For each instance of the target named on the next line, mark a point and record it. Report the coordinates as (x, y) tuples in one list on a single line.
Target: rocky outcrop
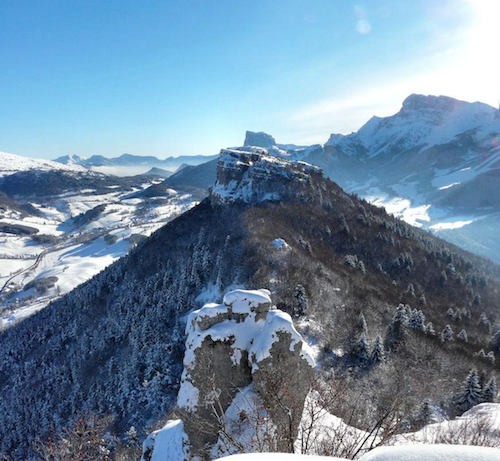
[(252, 175), (241, 347), (259, 139)]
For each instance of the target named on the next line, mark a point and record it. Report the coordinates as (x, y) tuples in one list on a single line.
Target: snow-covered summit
[(10, 164), (423, 121), (71, 159), (252, 175)]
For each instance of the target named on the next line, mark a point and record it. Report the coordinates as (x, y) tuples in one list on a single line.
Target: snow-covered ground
[(80, 252), (445, 441)]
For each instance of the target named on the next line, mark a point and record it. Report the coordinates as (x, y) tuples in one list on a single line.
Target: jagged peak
[(250, 174)]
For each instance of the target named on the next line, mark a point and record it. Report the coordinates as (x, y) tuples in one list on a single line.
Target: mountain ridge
[(115, 343)]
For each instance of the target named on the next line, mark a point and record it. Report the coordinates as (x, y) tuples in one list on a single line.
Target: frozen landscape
[(249, 231), (62, 247)]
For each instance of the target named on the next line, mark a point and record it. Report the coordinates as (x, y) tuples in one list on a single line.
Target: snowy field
[(78, 252)]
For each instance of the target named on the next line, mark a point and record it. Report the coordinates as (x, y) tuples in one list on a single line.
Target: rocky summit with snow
[(242, 356), (252, 175)]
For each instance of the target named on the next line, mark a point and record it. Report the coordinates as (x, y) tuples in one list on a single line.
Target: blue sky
[(171, 77)]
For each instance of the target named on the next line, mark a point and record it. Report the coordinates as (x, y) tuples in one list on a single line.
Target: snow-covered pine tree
[(469, 394), (422, 415), (361, 352), (362, 327), (301, 300), (396, 330), (378, 354), (429, 329), (447, 334), (484, 322), (495, 340), (489, 393), (417, 320), (462, 336)]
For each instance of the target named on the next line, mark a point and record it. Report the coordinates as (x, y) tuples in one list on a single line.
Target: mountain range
[(114, 345), (127, 164), (435, 164)]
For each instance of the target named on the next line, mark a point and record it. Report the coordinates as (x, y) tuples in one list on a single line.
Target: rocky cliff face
[(259, 139), (252, 175), (243, 357)]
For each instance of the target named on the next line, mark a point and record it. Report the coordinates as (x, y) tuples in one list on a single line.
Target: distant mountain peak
[(252, 175), (71, 159), (259, 139)]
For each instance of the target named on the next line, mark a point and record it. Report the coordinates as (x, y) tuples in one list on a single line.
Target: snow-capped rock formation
[(252, 175), (259, 139), (238, 352)]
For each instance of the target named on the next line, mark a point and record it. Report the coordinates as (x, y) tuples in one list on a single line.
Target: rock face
[(259, 139), (242, 346), (252, 175)]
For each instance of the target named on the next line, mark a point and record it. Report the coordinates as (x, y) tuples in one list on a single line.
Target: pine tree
[(361, 267), (457, 316), (411, 290), (361, 351), (490, 392), (423, 300), (422, 416), (469, 394), (362, 327), (482, 380), (462, 336), (396, 330), (429, 329), (301, 300), (378, 354), (484, 322), (447, 334), (495, 341), (417, 320)]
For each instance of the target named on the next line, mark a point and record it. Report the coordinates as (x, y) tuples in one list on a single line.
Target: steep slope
[(115, 344)]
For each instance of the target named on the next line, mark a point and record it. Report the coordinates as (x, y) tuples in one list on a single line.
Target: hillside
[(115, 344)]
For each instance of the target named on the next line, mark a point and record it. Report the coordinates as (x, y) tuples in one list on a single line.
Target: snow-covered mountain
[(128, 164), (324, 255), (435, 164), (10, 163), (422, 122)]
